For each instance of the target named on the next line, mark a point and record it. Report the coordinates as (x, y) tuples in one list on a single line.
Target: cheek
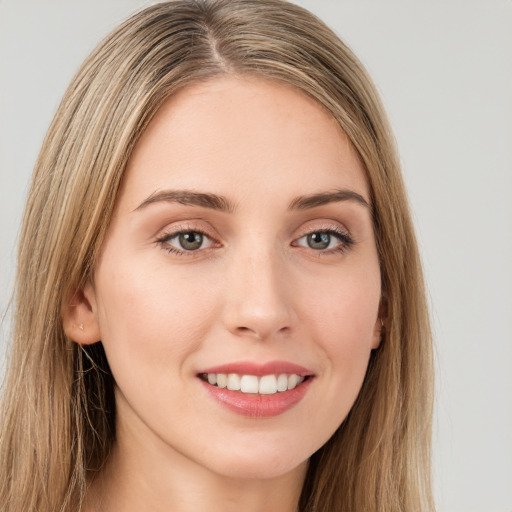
[(343, 316), (151, 316)]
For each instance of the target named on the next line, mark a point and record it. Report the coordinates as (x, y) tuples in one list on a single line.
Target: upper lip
[(259, 369)]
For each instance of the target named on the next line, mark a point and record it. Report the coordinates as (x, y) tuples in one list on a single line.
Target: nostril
[(247, 331), (260, 333)]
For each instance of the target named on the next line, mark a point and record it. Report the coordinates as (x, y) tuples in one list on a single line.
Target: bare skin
[(242, 233)]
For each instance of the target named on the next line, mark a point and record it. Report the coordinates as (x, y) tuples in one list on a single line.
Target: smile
[(257, 390), (252, 384)]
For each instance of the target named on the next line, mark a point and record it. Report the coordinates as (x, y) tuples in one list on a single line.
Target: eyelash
[(164, 239), (346, 241)]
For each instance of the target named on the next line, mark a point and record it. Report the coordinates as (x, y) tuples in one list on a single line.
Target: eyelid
[(323, 225), (175, 229), (170, 232), (346, 241)]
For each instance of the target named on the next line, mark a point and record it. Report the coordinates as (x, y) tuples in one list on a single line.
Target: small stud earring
[(81, 327)]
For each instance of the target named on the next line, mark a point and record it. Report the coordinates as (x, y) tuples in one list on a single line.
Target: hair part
[(58, 409)]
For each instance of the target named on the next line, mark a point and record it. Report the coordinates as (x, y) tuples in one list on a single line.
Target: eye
[(325, 240), (185, 241), (318, 240)]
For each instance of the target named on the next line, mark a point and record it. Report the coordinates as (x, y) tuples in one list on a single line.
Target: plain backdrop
[(444, 70)]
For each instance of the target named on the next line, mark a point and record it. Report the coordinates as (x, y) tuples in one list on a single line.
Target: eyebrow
[(314, 200), (190, 198), (221, 203)]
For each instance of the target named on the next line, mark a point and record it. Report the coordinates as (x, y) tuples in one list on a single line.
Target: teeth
[(249, 384), (292, 381), (264, 385), (234, 382), (222, 380), (282, 382), (268, 385)]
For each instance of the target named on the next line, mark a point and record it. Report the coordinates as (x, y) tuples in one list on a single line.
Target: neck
[(145, 475)]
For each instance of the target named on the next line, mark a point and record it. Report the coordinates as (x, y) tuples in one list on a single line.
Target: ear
[(378, 332), (80, 316), (380, 324)]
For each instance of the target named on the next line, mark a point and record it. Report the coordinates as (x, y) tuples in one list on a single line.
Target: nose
[(258, 297)]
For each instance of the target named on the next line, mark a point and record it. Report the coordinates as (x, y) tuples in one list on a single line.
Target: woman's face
[(241, 253)]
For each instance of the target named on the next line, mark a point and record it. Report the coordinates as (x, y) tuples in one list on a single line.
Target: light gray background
[(444, 69)]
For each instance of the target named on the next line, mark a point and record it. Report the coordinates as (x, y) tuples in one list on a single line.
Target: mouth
[(254, 384), (256, 390)]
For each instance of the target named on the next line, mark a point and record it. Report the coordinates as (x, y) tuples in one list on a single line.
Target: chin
[(259, 464)]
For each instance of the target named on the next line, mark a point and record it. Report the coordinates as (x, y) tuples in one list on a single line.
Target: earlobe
[(80, 318)]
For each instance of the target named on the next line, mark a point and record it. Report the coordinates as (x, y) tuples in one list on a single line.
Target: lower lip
[(255, 405)]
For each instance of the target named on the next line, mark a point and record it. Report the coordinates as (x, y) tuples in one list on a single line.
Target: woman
[(219, 297)]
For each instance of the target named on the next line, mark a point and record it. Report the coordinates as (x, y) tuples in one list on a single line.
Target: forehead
[(246, 134)]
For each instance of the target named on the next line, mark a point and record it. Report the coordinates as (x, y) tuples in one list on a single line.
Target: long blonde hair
[(58, 410)]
